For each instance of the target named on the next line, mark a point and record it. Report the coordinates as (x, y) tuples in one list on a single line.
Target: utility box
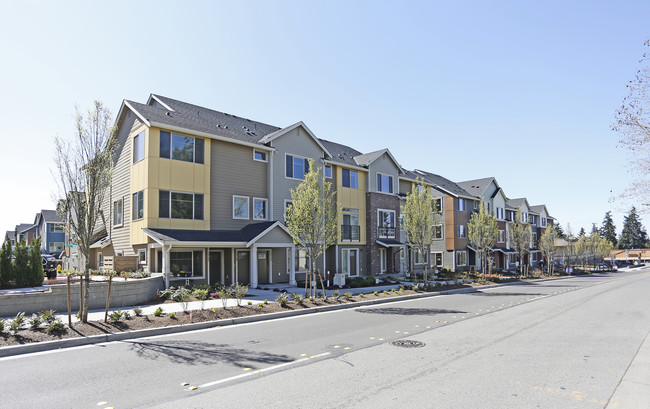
[(339, 279)]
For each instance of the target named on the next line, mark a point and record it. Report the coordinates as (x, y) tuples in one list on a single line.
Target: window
[(437, 232), (534, 242), (386, 223), (461, 231), (502, 236), (419, 257), (543, 221), (138, 205), (181, 147), (142, 256), (287, 205), (436, 259), (118, 212), (55, 247), (259, 209), (524, 217), (138, 147), (350, 230), (296, 167), (533, 219), (179, 205), (302, 261), (461, 204), (384, 183), (500, 213), (461, 258), (186, 263), (240, 207), (382, 260), (437, 204), (328, 171), (259, 156), (350, 178), (55, 227)]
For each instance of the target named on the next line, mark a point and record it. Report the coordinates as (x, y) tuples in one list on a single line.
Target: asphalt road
[(564, 343)]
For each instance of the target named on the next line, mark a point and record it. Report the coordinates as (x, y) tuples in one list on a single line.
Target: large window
[(55, 247), (180, 205), (437, 204), (181, 147), (328, 171), (384, 183), (138, 147), (260, 209), (350, 178), (462, 231), (137, 205), (499, 213), (240, 207), (118, 212), (350, 230), (55, 227), (461, 204), (296, 167), (502, 236), (436, 259), (186, 263), (419, 257), (437, 232), (386, 223), (461, 258)]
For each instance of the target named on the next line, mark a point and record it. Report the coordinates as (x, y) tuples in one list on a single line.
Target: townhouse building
[(50, 228)]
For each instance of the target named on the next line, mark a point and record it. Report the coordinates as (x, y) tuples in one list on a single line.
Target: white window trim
[(248, 207), (392, 182), (144, 147), (123, 198), (464, 236), (191, 250), (433, 259), (285, 165), (142, 251), (415, 253), (331, 170), (461, 200), (348, 249), (51, 250), (263, 153), (457, 254), (442, 232), (441, 204), (394, 222), (284, 209), (499, 237), (266, 208)]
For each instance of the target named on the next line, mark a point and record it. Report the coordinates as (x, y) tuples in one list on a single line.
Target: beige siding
[(234, 172)]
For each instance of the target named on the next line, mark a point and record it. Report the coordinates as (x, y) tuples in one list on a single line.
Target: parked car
[(49, 265)]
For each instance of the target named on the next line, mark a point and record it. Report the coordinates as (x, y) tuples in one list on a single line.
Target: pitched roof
[(197, 118), (49, 216), (341, 153), (367, 159), (516, 203), (244, 235), (443, 183), (538, 209), (23, 227), (476, 186), (10, 234)]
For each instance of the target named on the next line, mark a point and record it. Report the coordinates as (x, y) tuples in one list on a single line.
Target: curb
[(172, 329)]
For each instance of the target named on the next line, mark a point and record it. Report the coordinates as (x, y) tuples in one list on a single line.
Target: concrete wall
[(123, 294)]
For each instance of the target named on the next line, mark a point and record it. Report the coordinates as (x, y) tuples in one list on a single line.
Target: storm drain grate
[(408, 343)]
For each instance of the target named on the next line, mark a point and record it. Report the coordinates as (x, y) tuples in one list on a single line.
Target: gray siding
[(279, 262), (297, 142), (384, 164), (276, 235), (234, 172)]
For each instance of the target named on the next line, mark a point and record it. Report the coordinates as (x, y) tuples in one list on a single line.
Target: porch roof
[(390, 243)]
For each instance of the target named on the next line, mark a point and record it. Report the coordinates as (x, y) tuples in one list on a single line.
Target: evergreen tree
[(6, 269), (633, 235), (608, 231), (21, 263), (581, 232), (35, 274), (560, 231), (594, 229)]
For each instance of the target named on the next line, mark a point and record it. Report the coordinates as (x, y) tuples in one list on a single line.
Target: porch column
[(253, 266), (166, 249), (292, 266)]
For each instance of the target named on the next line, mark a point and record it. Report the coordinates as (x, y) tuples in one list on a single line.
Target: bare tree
[(419, 219), (84, 165), (547, 246)]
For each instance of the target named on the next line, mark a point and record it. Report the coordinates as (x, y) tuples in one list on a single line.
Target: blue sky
[(521, 91)]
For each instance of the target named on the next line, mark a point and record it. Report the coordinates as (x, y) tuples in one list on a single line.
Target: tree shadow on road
[(502, 294), (201, 353), (407, 311)]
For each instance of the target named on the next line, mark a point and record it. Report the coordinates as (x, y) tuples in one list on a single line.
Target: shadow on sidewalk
[(408, 311)]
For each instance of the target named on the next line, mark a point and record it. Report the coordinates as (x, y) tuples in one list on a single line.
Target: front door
[(263, 263), (349, 262), (216, 266), (243, 267)]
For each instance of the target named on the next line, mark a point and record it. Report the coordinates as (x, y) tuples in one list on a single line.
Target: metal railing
[(350, 232)]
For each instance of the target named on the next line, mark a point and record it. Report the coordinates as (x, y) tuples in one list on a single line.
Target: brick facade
[(374, 202)]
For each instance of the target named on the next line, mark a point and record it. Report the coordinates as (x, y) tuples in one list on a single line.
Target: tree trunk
[(108, 297), (69, 303)]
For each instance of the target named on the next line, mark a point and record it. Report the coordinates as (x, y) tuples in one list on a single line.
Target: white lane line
[(270, 368)]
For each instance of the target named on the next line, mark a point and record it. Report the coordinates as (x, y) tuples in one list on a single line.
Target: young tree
[(632, 122), (6, 268), (483, 232), (608, 230), (520, 237), (83, 173), (21, 260), (35, 274), (312, 218), (633, 235), (419, 218), (547, 246), (604, 248)]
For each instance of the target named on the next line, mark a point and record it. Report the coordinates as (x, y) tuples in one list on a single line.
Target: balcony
[(350, 232), (386, 232)]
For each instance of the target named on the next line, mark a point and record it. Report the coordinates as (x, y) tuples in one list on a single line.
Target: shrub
[(181, 294), (223, 294), (6, 268), (48, 316), (282, 299), (138, 274), (335, 294), (137, 311), (115, 315), (35, 273), (2, 325), (172, 315), (167, 293), (239, 291), (21, 257), (260, 304), (347, 295), (17, 322), (250, 303), (126, 315), (158, 312), (55, 327), (374, 293), (266, 301), (201, 293), (297, 298), (35, 321)]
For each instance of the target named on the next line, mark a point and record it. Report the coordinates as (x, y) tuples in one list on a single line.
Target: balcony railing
[(350, 232), (387, 232)]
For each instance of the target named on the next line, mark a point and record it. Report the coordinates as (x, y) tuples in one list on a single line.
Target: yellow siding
[(154, 173), (352, 199)]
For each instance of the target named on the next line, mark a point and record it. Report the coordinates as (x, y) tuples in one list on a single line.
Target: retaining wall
[(123, 294)]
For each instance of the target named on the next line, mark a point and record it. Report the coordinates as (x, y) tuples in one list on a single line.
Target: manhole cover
[(408, 343)]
